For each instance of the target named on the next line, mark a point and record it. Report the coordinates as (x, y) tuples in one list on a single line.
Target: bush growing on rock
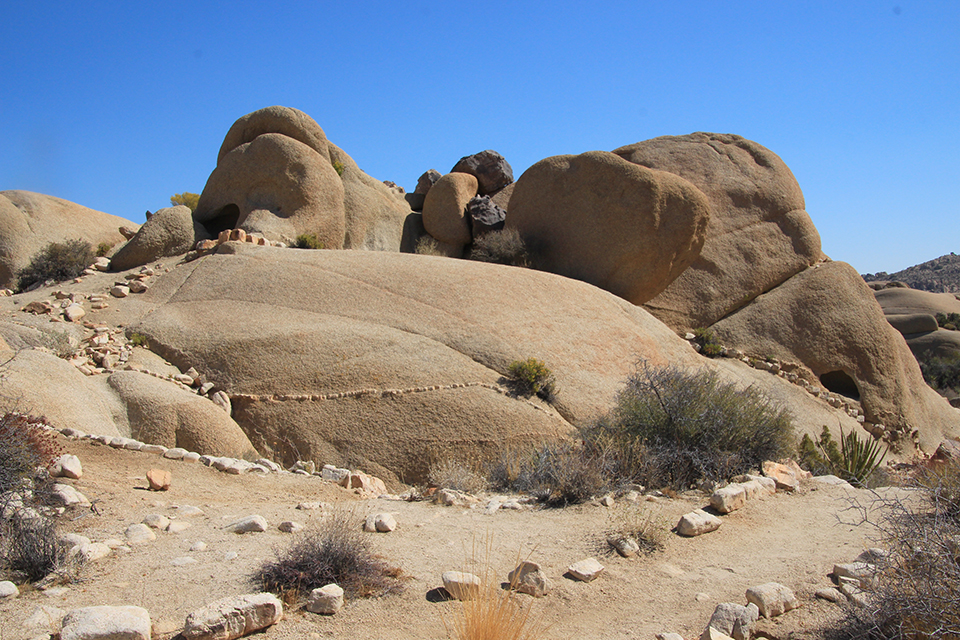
[(673, 427), (533, 377), (57, 261), (708, 343), (187, 199), (336, 552), (307, 241)]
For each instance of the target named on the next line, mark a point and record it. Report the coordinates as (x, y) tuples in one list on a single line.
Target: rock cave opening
[(225, 218), (840, 382)]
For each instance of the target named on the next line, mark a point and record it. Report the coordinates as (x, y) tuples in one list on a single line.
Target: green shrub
[(187, 199), (532, 377), (139, 340), (307, 241), (556, 473), (708, 343), (103, 249), (676, 428), (335, 552), (942, 373), (948, 321), (501, 247), (338, 167), (57, 261)]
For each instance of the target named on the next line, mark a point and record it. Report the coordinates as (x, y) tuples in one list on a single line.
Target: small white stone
[(697, 523), (326, 600), (120, 291), (139, 534), (250, 524), (156, 449), (67, 466), (176, 453), (385, 523), (529, 578), (187, 511), (94, 551), (8, 590), (289, 526), (198, 546), (729, 498), (586, 570), (91, 623), (183, 561), (461, 585), (156, 521), (177, 527), (772, 598)]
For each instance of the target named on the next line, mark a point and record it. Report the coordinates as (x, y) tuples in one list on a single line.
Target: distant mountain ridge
[(940, 275)]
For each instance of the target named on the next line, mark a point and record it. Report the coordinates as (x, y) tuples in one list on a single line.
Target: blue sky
[(117, 106)]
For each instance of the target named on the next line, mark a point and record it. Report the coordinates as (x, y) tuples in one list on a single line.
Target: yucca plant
[(859, 458)]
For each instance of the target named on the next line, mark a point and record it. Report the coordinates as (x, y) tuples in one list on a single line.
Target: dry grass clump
[(456, 475), (641, 523), (336, 552), (557, 473), (30, 547), (428, 246), (504, 246), (917, 594), (57, 261)]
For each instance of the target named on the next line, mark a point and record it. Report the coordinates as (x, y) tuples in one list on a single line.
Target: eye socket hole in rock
[(840, 382), (224, 219)]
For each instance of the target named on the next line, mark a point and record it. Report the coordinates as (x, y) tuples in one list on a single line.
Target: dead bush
[(557, 473), (336, 552), (917, 593), (504, 246), (456, 475), (31, 549)]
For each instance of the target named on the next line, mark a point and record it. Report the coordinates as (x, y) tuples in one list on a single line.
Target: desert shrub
[(428, 246), (25, 446), (57, 261), (501, 247), (139, 340), (557, 473), (31, 548), (672, 427), (942, 373), (336, 552), (187, 199), (453, 474), (948, 320), (307, 241), (917, 592), (338, 167), (103, 249), (533, 377), (708, 342)]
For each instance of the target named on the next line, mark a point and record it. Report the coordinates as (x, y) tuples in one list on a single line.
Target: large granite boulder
[(913, 313), (384, 359), (161, 413), (277, 175), (617, 225), (445, 209), (29, 221), (168, 232), (827, 318), (759, 233), (491, 170)]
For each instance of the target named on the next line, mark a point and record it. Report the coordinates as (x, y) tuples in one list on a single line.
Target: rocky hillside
[(940, 275)]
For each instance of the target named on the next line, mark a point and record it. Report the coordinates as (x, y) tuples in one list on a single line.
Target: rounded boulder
[(445, 208), (619, 226), (759, 233), (168, 232)]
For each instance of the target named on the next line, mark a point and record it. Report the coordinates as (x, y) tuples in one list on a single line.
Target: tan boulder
[(619, 226), (29, 221), (286, 121), (445, 209), (382, 340), (277, 187), (906, 309), (374, 213), (159, 412), (169, 232), (159, 480), (759, 233), (827, 319)]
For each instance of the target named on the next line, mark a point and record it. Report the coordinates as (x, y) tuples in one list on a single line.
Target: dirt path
[(791, 539)]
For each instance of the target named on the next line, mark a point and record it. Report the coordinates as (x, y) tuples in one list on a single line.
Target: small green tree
[(187, 199)]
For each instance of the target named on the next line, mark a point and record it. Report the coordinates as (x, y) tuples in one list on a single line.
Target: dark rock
[(491, 170), (427, 180), (484, 216)]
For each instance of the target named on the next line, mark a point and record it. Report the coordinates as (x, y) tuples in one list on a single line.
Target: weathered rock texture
[(759, 233), (913, 313), (278, 175), (826, 318), (598, 218), (396, 355), (168, 232), (491, 170), (29, 221), (445, 209)]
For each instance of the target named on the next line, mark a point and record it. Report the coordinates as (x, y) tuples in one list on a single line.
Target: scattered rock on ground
[(326, 600), (461, 585), (697, 523), (106, 623), (772, 599), (159, 479), (233, 617), (529, 578), (586, 570)]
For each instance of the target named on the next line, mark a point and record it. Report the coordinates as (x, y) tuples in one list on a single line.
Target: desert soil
[(793, 539)]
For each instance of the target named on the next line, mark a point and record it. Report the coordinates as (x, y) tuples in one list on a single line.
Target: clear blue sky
[(117, 106)]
